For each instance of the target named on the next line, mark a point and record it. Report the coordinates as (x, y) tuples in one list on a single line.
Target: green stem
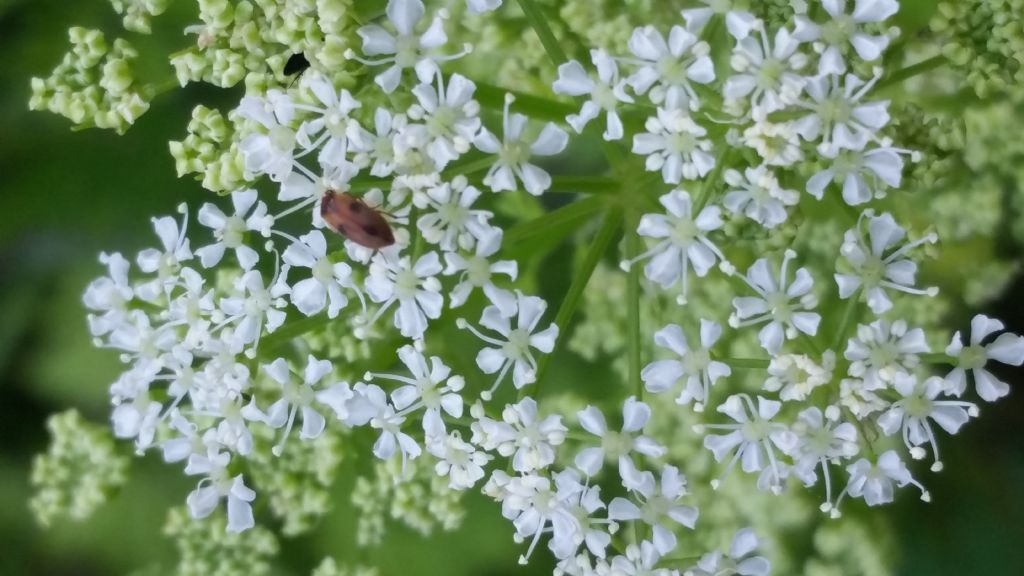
[(911, 71), (810, 345), (610, 225), (470, 167), (745, 363), (842, 334), (633, 248), (289, 331), (578, 210), (938, 358), (558, 57), (584, 185), (540, 26), (493, 97), (712, 179)]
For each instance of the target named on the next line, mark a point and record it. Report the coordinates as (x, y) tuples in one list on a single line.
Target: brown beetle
[(352, 218)]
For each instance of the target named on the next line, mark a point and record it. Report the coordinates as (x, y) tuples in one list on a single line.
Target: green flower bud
[(78, 472)]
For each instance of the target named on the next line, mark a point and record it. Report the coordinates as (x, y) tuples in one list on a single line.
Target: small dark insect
[(296, 65), (352, 218)]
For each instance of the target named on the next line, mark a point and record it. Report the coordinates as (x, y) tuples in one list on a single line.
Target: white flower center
[(755, 430), (770, 74), (838, 30), (685, 232), (233, 233), (442, 121), (282, 138), (406, 283), (515, 153), (604, 97), (518, 345), (655, 509), (682, 143), (779, 304), (973, 357), (917, 406), (616, 444), (405, 51), (478, 271), (872, 271), (323, 271), (429, 393), (256, 303), (696, 361)]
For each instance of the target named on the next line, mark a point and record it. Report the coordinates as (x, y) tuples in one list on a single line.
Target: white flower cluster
[(193, 345), (193, 323)]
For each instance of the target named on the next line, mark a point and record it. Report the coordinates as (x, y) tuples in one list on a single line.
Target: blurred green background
[(64, 197)]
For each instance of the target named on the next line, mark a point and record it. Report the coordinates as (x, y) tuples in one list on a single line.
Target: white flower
[(617, 446), (415, 288), (919, 404), (476, 271), (449, 117), (254, 310), (273, 152), (785, 306), (165, 261), (738, 23), (639, 561), (821, 440), (369, 405), (874, 482), (431, 388), (136, 415), (323, 289), (581, 501), (216, 485), (515, 153), (379, 147), (605, 93), (838, 116), (140, 341), (186, 443), (777, 143), (447, 217), (532, 505), (522, 435), (841, 31), (333, 127), (296, 398), (109, 294), (659, 506), (193, 308), (512, 351), (863, 175), (857, 397), (405, 49), (667, 68), (756, 193), (883, 349), (696, 365), (768, 74), (675, 144), (872, 270), (754, 438), (459, 460), (741, 559), (682, 242), (795, 376), (230, 231), (1007, 348)]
